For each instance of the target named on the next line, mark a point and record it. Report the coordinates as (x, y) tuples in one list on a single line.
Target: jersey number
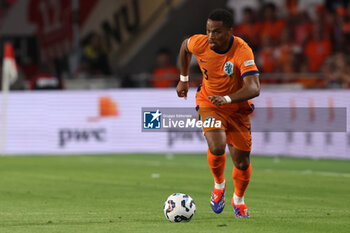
[(205, 72)]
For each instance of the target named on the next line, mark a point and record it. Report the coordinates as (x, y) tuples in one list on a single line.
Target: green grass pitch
[(125, 193)]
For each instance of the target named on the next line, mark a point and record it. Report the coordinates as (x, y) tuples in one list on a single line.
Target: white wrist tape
[(184, 78), (228, 99)]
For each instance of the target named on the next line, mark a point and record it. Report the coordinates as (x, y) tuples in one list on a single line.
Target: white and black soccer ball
[(179, 207)]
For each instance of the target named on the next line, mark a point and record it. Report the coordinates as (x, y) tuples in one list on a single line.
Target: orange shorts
[(234, 120)]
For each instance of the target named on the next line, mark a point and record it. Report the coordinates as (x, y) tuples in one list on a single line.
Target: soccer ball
[(179, 207)]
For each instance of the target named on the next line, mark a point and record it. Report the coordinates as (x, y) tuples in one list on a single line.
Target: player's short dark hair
[(222, 15)]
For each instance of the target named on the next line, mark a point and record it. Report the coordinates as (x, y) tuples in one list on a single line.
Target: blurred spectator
[(325, 19), (95, 57), (302, 28), (292, 7), (317, 48), (249, 29), (344, 28), (337, 71), (338, 28), (285, 53), (166, 73), (333, 5), (46, 79), (266, 58), (272, 26), (5, 5)]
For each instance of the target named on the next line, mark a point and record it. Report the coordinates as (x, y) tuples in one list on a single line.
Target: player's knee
[(242, 165), (217, 150)]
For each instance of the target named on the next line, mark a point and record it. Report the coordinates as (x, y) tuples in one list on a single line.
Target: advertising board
[(110, 121)]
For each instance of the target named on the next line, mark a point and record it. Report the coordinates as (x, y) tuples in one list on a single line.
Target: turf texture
[(126, 193)]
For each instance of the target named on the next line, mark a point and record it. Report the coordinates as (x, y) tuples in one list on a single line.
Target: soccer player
[(230, 79)]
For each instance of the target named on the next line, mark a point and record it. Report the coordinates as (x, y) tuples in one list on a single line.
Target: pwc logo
[(86, 135), (81, 136), (107, 108)]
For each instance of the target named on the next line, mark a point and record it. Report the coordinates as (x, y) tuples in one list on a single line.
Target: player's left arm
[(250, 89)]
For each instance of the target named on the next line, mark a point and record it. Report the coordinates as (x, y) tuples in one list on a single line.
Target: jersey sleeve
[(246, 63), (194, 44)]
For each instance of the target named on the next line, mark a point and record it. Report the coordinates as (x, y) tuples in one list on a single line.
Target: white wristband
[(184, 78), (228, 99)]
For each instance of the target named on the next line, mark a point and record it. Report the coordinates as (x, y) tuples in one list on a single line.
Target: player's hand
[(182, 89), (217, 100)]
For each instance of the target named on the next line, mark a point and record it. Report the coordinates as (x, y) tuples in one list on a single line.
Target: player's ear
[(230, 31)]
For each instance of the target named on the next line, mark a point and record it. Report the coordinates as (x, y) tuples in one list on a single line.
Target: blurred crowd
[(291, 48), (290, 44), (297, 43), (5, 5)]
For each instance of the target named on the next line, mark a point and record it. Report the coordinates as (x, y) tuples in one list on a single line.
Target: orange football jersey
[(223, 72)]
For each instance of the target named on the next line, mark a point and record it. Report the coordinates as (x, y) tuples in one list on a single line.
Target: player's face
[(218, 35)]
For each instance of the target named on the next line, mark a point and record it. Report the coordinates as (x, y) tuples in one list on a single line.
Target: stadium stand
[(296, 43)]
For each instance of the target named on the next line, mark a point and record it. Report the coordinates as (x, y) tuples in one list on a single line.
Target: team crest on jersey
[(228, 68)]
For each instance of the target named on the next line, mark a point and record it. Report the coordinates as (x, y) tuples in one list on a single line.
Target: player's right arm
[(185, 59)]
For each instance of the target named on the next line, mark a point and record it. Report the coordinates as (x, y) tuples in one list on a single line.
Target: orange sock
[(217, 166), (241, 180)]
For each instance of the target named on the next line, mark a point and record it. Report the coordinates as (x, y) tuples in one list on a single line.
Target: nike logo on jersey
[(202, 61), (249, 62)]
